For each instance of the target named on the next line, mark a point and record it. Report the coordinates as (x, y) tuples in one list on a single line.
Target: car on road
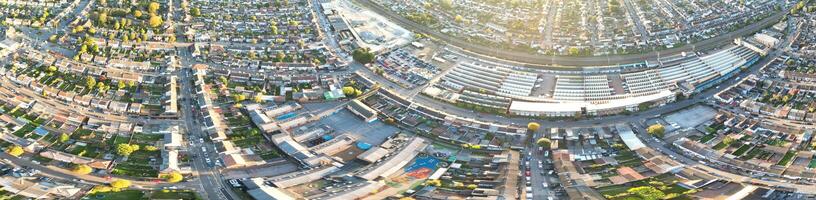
[(207, 160), (527, 173)]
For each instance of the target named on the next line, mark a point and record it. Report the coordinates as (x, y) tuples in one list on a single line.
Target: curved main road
[(546, 61)]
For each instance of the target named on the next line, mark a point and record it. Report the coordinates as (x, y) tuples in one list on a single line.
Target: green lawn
[(25, 130), (787, 158), (135, 170), (720, 146), (138, 164), (174, 194), (741, 150), (147, 138), (707, 138), (812, 163), (270, 155), (121, 195)]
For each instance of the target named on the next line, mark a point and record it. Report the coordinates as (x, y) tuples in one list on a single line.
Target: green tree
[(280, 56), (543, 142), (258, 97), (52, 68), (155, 21), (446, 4), (223, 80), (90, 81), (656, 130), (348, 91), (274, 29), (153, 8), (82, 169), (533, 126), (103, 18), (15, 151), (728, 140), (195, 12), (239, 97), (574, 51), (137, 13), (362, 56), (64, 137)]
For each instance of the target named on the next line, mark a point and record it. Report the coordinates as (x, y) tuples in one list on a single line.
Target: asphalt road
[(541, 61), (209, 177)]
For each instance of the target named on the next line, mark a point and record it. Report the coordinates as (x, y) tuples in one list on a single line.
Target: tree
[(90, 82), (122, 85), (258, 97), (239, 97), (174, 177), (656, 130), (137, 14), (82, 169), (647, 192), (362, 56), (728, 140), (223, 80), (103, 18), (574, 51), (533, 126), (155, 21), (543, 142), (126, 149), (280, 56), (64, 137), (52, 68), (472, 187), (274, 29), (446, 4), (195, 12), (434, 182), (120, 184), (348, 91), (153, 8), (15, 151)]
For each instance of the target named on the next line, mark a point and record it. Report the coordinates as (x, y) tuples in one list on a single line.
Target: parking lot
[(345, 122), (691, 117)]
